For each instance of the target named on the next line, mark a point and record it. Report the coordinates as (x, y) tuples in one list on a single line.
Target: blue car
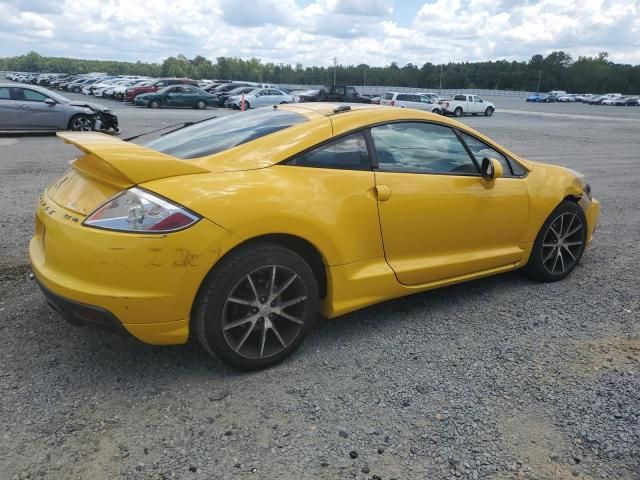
[(538, 97)]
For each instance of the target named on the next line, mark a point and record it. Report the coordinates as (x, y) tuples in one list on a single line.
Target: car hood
[(92, 106)]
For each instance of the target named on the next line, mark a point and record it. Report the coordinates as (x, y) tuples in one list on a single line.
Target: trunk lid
[(110, 165)]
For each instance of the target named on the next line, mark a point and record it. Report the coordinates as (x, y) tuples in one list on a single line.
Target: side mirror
[(491, 169), (50, 101)]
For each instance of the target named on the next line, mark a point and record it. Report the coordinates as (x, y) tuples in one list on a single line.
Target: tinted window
[(459, 97), (349, 153), (219, 134), (421, 148), (481, 150), (388, 96), (338, 90), (351, 91), (33, 96), (4, 93), (402, 97), (425, 99)]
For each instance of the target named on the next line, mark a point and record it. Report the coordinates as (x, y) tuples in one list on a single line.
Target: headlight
[(136, 210)]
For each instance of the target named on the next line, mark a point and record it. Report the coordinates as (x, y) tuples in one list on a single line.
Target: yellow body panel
[(430, 230)]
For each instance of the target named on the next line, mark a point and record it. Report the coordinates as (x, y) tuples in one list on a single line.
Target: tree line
[(558, 70)]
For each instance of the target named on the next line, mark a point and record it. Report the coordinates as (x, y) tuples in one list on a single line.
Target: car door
[(188, 97), (259, 98), (37, 113), (426, 103), (10, 111), (438, 217), (478, 104), (173, 96)]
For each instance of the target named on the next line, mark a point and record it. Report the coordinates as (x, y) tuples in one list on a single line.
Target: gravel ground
[(500, 378)]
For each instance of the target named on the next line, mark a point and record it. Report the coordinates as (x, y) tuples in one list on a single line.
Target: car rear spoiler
[(120, 163)]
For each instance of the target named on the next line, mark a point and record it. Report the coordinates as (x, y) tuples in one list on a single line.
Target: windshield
[(223, 133)]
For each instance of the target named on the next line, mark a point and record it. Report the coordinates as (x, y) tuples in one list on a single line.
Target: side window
[(402, 97), (4, 93), (339, 90), (388, 96), (481, 150), (351, 91), (347, 153), (33, 96), (274, 92), (425, 99), (413, 147), (460, 97)]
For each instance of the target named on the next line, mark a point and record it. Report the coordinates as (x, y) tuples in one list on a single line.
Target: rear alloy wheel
[(256, 307), (154, 104), (457, 112), (488, 112), (81, 123), (559, 244), (201, 105)]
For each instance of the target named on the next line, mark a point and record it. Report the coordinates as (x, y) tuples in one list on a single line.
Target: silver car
[(36, 108)]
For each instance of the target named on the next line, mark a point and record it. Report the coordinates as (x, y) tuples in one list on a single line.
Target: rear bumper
[(146, 284), (80, 314)]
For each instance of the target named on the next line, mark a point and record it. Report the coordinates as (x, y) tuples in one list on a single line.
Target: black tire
[(81, 123), (247, 106), (154, 104), (457, 112), (201, 105), (488, 112), (76, 89), (536, 267), (214, 308)]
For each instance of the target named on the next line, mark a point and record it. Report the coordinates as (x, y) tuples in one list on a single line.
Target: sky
[(312, 32)]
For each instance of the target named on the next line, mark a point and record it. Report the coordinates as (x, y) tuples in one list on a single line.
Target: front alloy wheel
[(559, 244), (81, 123), (563, 243), (256, 306)]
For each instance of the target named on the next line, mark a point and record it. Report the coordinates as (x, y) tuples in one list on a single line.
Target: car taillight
[(136, 210)]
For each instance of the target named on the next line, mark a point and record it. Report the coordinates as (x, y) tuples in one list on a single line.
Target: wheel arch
[(305, 249)]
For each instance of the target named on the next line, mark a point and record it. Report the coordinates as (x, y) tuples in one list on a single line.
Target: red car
[(131, 93)]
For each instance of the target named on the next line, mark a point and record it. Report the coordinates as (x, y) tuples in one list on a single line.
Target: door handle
[(382, 192)]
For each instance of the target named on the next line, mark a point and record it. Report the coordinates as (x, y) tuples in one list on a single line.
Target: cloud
[(312, 33)]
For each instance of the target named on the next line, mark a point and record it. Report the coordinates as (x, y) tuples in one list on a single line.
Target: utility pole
[(441, 76), (364, 84), (539, 77), (335, 64)]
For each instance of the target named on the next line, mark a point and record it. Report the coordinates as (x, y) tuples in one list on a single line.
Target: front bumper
[(146, 283), (591, 208)]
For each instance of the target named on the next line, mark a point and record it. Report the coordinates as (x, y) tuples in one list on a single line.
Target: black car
[(337, 93)]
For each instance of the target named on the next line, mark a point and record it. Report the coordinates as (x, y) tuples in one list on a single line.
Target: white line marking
[(567, 115)]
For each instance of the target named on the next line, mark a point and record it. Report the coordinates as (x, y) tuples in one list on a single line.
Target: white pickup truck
[(463, 104)]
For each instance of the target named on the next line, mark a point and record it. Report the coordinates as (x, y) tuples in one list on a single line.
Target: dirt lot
[(501, 378)]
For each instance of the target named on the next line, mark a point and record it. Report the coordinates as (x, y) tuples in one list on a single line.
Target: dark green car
[(176, 96)]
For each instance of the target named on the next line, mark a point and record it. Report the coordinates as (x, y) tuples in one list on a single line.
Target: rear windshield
[(222, 133)]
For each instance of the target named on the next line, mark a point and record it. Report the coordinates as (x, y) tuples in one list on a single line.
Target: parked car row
[(561, 96)]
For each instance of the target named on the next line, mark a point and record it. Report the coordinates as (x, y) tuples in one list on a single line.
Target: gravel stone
[(499, 374)]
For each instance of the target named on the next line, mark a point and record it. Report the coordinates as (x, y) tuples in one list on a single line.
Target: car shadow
[(79, 346)]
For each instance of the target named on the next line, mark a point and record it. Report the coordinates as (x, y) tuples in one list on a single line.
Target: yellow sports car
[(240, 229)]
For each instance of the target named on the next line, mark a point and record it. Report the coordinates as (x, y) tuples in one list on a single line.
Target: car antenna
[(179, 125)]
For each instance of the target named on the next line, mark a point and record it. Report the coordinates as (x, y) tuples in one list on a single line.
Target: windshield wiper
[(178, 125)]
